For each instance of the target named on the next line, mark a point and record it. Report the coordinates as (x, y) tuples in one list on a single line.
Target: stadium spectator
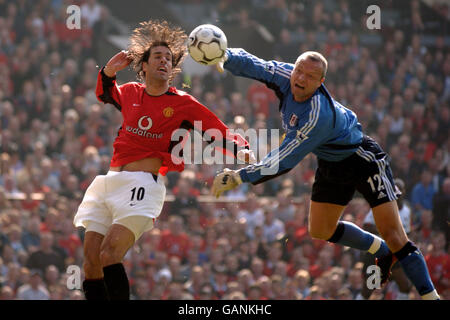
[(11, 278), (185, 196), (253, 215), (34, 289), (273, 228), (68, 239), (423, 192), (315, 293), (323, 263), (91, 11), (45, 255), (174, 240), (302, 280), (438, 261), (140, 290), (355, 283), (15, 238), (51, 277), (6, 293), (441, 203)]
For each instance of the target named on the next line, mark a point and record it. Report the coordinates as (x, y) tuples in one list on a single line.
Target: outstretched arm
[(279, 161), (273, 73), (107, 90), (212, 128), (312, 132)]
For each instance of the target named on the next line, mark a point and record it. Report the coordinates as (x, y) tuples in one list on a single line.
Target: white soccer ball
[(207, 44)]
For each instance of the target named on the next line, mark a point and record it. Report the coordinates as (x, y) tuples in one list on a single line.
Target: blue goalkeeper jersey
[(320, 125)]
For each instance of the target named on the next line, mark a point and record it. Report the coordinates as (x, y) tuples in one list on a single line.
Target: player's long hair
[(155, 33)]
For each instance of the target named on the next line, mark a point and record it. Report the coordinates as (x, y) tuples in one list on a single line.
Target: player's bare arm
[(118, 62)]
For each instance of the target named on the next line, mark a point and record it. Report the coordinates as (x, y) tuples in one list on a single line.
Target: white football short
[(117, 197)]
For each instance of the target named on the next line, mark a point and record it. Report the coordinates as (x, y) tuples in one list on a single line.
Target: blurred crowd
[(55, 137)]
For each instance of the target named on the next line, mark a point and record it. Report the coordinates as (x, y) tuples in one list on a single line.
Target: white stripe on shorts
[(369, 156)]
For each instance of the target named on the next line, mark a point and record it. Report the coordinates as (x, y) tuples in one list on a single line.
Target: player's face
[(159, 65), (305, 79)]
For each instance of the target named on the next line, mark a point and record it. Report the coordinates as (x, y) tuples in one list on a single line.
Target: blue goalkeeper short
[(367, 171)]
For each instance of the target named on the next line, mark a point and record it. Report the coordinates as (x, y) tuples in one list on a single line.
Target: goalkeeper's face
[(306, 77)]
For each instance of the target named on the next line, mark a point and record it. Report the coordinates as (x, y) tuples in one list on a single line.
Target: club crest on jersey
[(294, 120), (301, 136), (168, 112), (269, 66)]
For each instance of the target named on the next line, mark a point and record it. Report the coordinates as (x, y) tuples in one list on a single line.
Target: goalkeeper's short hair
[(317, 57)]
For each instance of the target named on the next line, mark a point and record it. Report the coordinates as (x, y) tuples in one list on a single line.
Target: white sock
[(376, 244), (433, 295)]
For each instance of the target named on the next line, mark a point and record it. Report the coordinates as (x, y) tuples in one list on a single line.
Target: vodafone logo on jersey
[(144, 124), (145, 120)]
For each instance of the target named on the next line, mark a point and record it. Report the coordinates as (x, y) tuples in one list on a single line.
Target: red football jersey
[(149, 122)]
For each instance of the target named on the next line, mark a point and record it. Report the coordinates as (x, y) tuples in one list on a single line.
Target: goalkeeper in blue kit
[(348, 161)]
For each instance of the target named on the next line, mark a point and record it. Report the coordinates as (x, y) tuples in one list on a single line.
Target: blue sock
[(350, 235), (415, 268)]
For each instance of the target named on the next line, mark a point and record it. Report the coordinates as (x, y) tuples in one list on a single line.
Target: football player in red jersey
[(119, 206)]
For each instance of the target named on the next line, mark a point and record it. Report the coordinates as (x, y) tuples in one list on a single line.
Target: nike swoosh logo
[(133, 204)]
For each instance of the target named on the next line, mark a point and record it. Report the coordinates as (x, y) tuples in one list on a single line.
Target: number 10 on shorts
[(139, 194)]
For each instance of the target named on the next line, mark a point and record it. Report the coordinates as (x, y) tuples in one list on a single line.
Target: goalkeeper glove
[(224, 181), (219, 65)]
